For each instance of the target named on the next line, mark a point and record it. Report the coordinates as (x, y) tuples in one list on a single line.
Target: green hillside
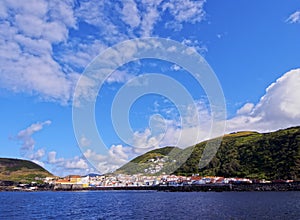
[(274, 155), (21, 170), (140, 163)]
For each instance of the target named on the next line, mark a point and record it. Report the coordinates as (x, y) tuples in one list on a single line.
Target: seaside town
[(151, 177), (122, 180), (95, 181)]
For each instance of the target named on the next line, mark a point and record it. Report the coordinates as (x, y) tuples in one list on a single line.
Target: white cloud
[(85, 90), (118, 151), (28, 143), (29, 25), (278, 108), (84, 142), (42, 77), (35, 47), (294, 18), (160, 133), (175, 67), (3, 12), (38, 155), (51, 158), (145, 141), (76, 163), (140, 16), (79, 54), (28, 35), (173, 25), (39, 56), (131, 14), (185, 11), (34, 7), (63, 11), (194, 46), (119, 77), (94, 12), (116, 156), (62, 166), (246, 109), (150, 17), (25, 136)]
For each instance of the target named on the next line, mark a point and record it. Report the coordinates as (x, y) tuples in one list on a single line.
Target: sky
[(47, 48)]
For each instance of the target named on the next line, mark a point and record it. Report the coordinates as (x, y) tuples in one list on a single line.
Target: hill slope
[(274, 155), (21, 170)]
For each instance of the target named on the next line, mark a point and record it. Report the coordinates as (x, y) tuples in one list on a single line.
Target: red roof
[(196, 178)]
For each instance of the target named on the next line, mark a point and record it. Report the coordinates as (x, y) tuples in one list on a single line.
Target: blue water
[(149, 205)]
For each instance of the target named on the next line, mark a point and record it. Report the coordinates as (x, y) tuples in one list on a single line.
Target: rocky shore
[(295, 186), (199, 188)]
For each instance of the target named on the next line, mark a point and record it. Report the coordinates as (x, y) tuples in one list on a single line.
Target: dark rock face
[(7, 183)]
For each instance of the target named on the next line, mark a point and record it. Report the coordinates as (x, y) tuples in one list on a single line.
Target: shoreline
[(200, 188), (264, 187)]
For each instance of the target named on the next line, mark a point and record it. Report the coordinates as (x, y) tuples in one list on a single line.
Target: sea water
[(149, 205)]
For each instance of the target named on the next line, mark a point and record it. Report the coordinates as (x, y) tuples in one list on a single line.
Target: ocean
[(149, 205)]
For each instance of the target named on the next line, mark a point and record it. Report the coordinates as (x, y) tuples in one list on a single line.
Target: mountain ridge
[(270, 155), (19, 170)]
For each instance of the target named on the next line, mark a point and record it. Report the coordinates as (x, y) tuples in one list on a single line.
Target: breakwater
[(295, 186)]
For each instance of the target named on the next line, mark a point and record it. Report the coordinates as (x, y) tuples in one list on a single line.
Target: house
[(74, 178)]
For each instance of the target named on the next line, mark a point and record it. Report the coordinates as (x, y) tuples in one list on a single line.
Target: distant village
[(151, 177), (139, 180)]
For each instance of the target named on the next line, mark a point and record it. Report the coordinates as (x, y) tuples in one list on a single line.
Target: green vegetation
[(140, 163), (274, 155), (21, 170)]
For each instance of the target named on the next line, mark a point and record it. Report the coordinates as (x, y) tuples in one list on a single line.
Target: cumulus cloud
[(61, 166), (294, 18), (72, 163), (195, 45), (175, 67), (130, 13), (116, 156), (25, 136), (246, 109), (29, 31), (119, 77), (65, 166), (84, 142), (182, 131), (38, 155), (51, 158), (42, 52), (187, 10), (76, 163), (278, 108)]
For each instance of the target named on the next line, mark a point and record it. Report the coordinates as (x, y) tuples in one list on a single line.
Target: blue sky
[(45, 46)]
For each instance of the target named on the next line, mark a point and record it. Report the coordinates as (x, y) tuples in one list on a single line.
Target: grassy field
[(21, 170)]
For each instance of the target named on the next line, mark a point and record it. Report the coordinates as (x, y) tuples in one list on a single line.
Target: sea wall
[(295, 186), (194, 188), (234, 187)]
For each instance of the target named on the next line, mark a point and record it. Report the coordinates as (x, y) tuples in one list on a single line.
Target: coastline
[(201, 188), (264, 187)]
